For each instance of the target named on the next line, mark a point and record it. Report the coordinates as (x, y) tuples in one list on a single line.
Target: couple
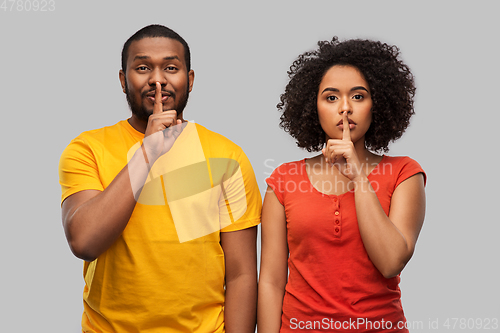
[(164, 212)]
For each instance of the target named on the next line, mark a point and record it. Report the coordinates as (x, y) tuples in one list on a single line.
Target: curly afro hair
[(390, 81)]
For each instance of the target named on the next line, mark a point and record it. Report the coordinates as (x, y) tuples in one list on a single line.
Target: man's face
[(152, 60)]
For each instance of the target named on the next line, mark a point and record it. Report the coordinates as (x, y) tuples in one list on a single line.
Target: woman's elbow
[(390, 269), (390, 272)]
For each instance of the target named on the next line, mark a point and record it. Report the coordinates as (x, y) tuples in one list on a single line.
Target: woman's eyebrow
[(352, 89), (359, 88), (330, 89)]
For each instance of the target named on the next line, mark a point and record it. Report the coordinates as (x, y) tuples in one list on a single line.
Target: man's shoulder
[(120, 132), (215, 140), (103, 131)]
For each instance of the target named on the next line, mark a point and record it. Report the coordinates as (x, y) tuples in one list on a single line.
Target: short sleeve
[(78, 169), (242, 196), (275, 181), (409, 168)]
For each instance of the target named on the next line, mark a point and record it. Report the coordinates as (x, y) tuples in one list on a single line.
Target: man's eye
[(171, 68), (142, 68)]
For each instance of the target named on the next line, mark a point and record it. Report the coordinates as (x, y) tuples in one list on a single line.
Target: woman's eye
[(358, 96), (331, 98)]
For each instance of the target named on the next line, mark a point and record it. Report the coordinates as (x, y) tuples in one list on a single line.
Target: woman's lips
[(352, 124)]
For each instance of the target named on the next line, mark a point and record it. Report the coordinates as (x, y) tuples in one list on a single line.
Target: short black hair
[(151, 31), (390, 81)]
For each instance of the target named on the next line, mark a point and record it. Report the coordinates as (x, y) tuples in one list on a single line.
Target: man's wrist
[(145, 155)]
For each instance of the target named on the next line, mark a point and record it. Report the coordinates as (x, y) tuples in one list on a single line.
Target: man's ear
[(123, 81), (191, 79)]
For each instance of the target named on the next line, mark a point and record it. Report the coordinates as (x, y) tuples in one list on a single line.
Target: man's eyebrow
[(171, 58), (138, 57), (145, 57), (352, 89)]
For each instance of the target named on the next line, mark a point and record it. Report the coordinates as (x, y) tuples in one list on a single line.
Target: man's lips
[(163, 98), (164, 95)]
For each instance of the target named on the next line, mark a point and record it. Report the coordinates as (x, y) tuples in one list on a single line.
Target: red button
[(337, 212), (337, 229), (337, 222)]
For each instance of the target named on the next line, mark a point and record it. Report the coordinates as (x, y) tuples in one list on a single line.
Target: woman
[(343, 223)]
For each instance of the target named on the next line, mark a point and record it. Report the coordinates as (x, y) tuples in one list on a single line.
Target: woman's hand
[(342, 153)]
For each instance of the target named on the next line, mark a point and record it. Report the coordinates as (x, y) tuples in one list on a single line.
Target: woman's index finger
[(346, 133)]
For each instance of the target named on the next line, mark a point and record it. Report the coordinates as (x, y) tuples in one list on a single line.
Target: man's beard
[(139, 110)]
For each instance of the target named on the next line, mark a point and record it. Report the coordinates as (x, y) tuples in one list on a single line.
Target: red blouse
[(332, 284)]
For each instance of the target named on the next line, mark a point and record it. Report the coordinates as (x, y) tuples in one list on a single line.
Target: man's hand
[(162, 130)]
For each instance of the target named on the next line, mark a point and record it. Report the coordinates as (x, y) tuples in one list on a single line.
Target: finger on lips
[(158, 105), (346, 134)]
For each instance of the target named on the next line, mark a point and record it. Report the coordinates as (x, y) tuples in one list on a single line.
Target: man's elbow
[(82, 251), (247, 278), (78, 242)]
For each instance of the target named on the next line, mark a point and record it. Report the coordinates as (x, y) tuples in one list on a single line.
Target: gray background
[(59, 77)]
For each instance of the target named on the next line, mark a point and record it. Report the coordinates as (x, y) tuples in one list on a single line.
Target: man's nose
[(157, 75)]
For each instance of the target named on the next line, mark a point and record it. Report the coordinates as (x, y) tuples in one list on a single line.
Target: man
[(163, 211)]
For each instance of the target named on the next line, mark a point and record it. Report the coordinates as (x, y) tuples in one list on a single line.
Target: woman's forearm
[(389, 244), (269, 309)]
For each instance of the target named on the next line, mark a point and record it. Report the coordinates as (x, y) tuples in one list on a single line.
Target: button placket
[(337, 225)]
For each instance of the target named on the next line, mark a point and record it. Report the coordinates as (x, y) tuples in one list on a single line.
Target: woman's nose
[(345, 106)]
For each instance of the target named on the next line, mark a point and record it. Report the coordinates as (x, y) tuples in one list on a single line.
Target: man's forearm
[(240, 311), (94, 221)]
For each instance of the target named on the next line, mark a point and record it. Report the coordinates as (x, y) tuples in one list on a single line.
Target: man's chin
[(142, 113)]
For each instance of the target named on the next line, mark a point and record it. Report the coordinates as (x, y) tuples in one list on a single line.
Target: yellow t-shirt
[(166, 272)]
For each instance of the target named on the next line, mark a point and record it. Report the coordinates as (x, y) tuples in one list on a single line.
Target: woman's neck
[(367, 159)]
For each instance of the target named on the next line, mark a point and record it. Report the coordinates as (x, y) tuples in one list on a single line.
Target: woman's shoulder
[(399, 160), (292, 167), (396, 159), (400, 167)]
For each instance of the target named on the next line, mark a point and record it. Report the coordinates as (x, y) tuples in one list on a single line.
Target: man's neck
[(141, 125), (137, 124)]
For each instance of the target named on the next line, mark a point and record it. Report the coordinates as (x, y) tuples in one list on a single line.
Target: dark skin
[(157, 76)]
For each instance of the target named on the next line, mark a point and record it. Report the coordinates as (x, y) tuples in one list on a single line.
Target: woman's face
[(344, 89)]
